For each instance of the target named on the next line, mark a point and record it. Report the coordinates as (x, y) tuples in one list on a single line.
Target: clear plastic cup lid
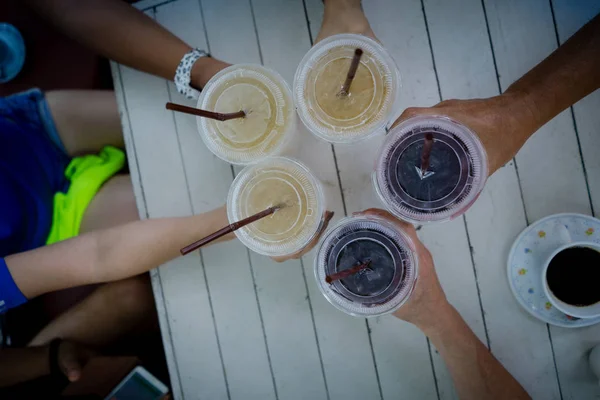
[(368, 106), (267, 100), (448, 187), (277, 181), (390, 277)]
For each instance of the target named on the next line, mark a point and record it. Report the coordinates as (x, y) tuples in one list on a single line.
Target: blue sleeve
[(10, 294)]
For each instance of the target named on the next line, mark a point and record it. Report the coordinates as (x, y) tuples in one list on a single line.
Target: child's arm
[(109, 254), (19, 365), (121, 33)]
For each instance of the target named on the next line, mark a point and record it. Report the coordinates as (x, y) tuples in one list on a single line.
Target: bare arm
[(19, 365), (121, 33), (475, 371), (567, 75), (24, 364), (505, 122), (109, 254)]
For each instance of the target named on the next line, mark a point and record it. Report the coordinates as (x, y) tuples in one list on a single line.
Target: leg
[(86, 120), (114, 204), (344, 16), (113, 310)]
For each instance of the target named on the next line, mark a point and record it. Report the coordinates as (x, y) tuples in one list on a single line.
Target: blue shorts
[(32, 169), (10, 294), (34, 103)]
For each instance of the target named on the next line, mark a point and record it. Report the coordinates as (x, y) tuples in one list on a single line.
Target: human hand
[(495, 120), (427, 299), (326, 219), (72, 358)]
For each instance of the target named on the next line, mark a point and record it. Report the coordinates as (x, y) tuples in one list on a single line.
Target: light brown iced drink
[(265, 98), (277, 181), (367, 107)]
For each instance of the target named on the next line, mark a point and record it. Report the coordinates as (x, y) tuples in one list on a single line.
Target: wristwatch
[(184, 72)]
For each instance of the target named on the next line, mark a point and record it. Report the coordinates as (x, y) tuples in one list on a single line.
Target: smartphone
[(139, 384)]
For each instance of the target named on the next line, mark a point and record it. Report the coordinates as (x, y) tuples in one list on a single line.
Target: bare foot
[(344, 16)]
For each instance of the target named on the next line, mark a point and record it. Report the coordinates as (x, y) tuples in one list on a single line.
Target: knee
[(132, 296)]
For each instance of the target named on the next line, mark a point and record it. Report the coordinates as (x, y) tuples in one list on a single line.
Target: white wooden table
[(237, 325)]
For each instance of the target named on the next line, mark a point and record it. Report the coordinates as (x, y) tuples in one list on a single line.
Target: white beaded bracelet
[(184, 72)]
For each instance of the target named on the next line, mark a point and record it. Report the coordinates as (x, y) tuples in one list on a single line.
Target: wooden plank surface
[(393, 341), (283, 39), (134, 172), (162, 180), (448, 242), (569, 16), (265, 331), (523, 35), (465, 68), (550, 166), (572, 346), (228, 273)]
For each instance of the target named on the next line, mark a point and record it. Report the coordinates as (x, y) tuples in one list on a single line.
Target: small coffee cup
[(579, 311)]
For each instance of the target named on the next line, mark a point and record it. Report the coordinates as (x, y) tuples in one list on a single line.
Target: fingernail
[(73, 375)]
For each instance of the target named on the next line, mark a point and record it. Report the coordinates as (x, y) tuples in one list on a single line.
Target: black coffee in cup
[(573, 276)]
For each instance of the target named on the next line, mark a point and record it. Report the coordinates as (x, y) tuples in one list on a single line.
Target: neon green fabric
[(86, 174)]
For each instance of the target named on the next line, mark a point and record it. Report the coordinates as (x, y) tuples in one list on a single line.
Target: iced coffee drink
[(267, 102), (277, 181), (346, 117)]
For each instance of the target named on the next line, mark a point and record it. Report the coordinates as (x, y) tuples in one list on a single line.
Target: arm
[(505, 122), (567, 75), (19, 365), (118, 252), (475, 371), (109, 254), (23, 364), (121, 33)]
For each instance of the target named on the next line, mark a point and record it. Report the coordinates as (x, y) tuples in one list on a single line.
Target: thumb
[(71, 367), (412, 112)]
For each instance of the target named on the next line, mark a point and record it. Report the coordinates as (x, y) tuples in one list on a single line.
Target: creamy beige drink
[(277, 181), (265, 98), (366, 108)]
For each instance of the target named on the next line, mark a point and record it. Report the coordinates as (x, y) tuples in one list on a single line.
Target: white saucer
[(529, 253)]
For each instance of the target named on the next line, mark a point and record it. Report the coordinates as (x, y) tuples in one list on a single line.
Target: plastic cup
[(367, 108), (12, 52), (389, 280), (267, 100), (456, 175), (274, 181)]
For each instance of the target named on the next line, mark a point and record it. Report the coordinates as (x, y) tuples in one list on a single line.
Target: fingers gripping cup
[(277, 181), (267, 101), (430, 168), (389, 278), (366, 109)]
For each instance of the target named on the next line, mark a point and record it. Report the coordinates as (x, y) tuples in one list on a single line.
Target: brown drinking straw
[(228, 229), (351, 72), (347, 272), (426, 153), (203, 113)]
